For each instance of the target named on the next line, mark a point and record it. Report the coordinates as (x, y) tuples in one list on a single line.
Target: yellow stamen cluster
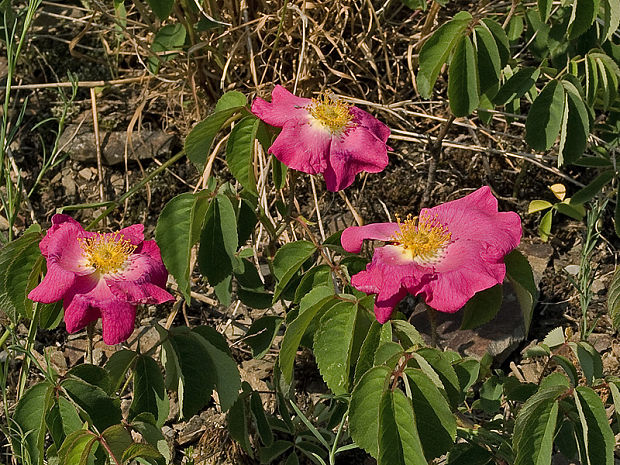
[(425, 240), (334, 115), (106, 253)]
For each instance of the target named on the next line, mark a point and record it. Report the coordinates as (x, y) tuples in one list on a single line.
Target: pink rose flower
[(455, 250), (323, 135), (100, 275)]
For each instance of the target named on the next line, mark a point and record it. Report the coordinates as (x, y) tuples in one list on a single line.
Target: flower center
[(106, 253), (334, 115), (426, 241)]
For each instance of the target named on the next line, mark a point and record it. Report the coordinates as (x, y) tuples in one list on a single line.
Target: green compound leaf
[(545, 118), (436, 50), (611, 19), (437, 430), (399, 443), (544, 9), (369, 347), (177, 231), (593, 431), (149, 392), (364, 408), (519, 272), (501, 40), (29, 420), (463, 79), (613, 300), (76, 448), (218, 244), (240, 152), (118, 365), (287, 261), (118, 439)]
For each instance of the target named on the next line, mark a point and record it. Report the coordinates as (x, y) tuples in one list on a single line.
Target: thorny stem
[(398, 372), (435, 151)]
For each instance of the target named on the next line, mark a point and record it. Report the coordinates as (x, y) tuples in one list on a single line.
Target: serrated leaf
[(117, 366), (555, 337), (238, 424), (316, 276), (199, 140), (406, 333), (519, 272), (538, 205), (437, 49), (488, 59), (399, 443), (231, 99), (102, 410), (162, 8), (545, 117), (613, 299), (194, 375), (597, 437), (218, 244), (568, 368), (501, 40), (287, 261), (262, 425), (611, 19), (76, 448), (544, 9), (367, 351), (463, 79), (118, 440), (437, 430), (227, 378), (544, 228), (467, 371), (275, 450), (317, 300), (516, 86), (441, 364), (240, 152), (92, 374), (535, 447), (144, 451), (250, 289), (589, 360), (593, 188), (145, 425), (364, 408), (469, 454), (582, 16), (333, 343), (577, 128), (176, 233), (167, 38), (149, 392), (482, 307), (261, 334), (29, 416)]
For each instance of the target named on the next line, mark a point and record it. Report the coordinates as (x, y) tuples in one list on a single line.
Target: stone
[(500, 336), (144, 144)]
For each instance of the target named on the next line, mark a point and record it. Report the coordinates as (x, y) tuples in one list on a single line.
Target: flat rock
[(500, 336), (79, 142)]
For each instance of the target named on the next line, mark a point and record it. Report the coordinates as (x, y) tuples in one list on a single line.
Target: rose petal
[(284, 107), (358, 150), (55, 284), (353, 237), (118, 320), (371, 123), (133, 233), (302, 147)]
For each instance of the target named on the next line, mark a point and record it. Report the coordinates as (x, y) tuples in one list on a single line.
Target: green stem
[(136, 188), (332, 452), (432, 318), (6, 334), (32, 333)]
